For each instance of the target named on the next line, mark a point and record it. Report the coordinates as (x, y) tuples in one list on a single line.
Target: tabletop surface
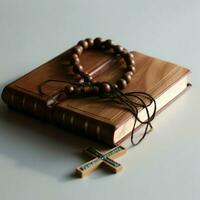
[(37, 162)]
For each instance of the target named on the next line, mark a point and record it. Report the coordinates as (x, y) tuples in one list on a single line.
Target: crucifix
[(99, 158)]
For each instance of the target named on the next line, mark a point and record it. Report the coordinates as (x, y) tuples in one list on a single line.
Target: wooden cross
[(100, 158)]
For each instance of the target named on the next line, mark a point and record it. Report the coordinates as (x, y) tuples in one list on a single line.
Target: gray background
[(34, 164)]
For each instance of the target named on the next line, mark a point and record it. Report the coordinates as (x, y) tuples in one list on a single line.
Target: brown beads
[(130, 73), (90, 42), (131, 62), (97, 42), (69, 89), (104, 87), (127, 77), (128, 56), (118, 49), (83, 43), (77, 90), (107, 44), (95, 90), (121, 84), (131, 68), (87, 77), (77, 69), (78, 50), (75, 59), (87, 90)]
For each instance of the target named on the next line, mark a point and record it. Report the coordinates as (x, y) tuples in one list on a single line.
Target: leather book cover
[(91, 117)]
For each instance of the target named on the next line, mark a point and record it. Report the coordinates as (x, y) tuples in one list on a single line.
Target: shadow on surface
[(40, 146)]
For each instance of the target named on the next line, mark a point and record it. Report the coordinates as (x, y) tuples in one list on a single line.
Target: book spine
[(84, 125)]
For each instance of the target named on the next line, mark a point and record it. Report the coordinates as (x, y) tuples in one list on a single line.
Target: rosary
[(88, 87)]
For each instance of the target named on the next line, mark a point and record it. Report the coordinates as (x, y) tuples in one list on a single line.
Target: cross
[(100, 158)]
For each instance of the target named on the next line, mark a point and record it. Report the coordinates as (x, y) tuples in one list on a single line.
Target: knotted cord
[(131, 101)]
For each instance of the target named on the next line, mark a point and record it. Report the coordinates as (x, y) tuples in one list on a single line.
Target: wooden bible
[(95, 117)]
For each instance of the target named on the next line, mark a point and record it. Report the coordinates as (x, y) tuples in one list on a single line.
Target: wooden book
[(94, 117)]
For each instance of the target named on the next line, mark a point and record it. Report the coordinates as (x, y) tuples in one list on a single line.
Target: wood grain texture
[(95, 118)]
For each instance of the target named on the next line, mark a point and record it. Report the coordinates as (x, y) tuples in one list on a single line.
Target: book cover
[(95, 118)]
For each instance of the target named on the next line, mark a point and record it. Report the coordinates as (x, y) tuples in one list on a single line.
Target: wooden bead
[(74, 56), (128, 56), (78, 50), (97, 42), (108, 44), (77, 69), (90, 42), (118, 49), (100, 87), (87, 90), (131, 68), (69, 89), (83, 43), (129, 73), (87, 78), (75, 59), (127, 77), (75, 62), (129, 59), (95, 90), (77, 90), (121, 83), (106, 88)]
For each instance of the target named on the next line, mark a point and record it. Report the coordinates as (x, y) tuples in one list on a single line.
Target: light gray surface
[(36, 166)]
